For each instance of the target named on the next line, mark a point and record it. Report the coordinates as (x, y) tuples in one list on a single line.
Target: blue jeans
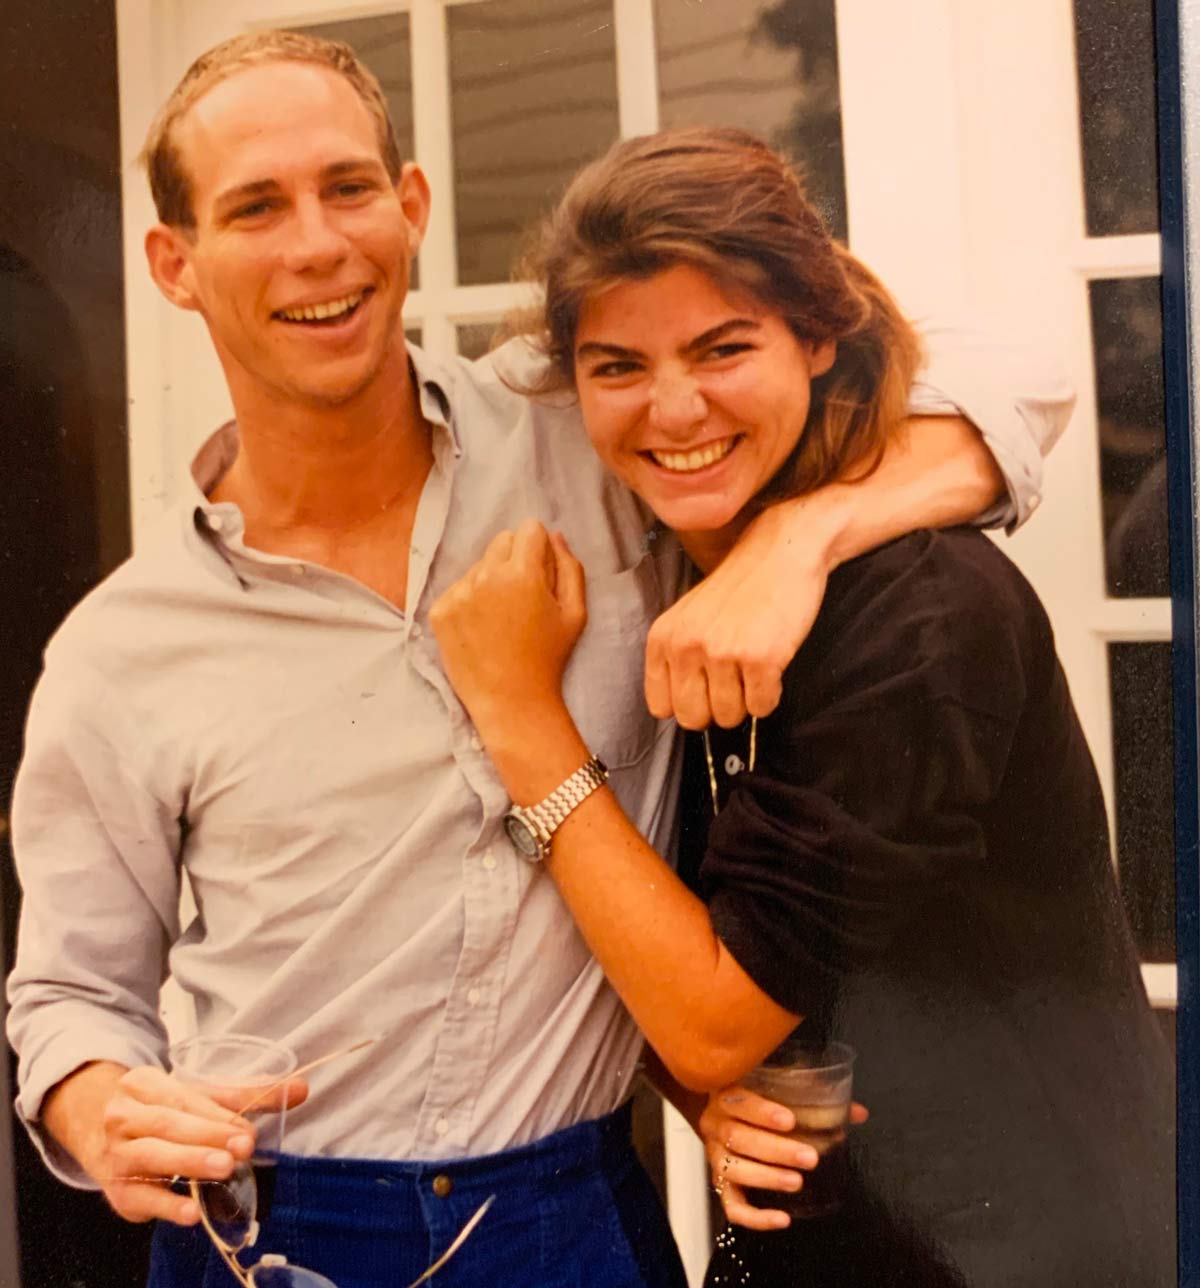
[(575, 1210)]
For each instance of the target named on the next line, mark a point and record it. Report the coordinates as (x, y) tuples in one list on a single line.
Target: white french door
[(943, 136)]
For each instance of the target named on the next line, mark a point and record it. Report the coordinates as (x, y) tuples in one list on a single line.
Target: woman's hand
[(507, 628), (747, 1146)]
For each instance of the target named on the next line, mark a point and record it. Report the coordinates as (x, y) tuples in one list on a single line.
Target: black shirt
[(919, 866)]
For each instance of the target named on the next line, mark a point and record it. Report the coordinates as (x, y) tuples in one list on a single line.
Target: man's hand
[(132, 1130), (719, 653)]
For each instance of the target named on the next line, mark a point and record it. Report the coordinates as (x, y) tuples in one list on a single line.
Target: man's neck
[(305, 468)]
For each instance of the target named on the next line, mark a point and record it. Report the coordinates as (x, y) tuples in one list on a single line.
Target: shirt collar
[(218, 452)]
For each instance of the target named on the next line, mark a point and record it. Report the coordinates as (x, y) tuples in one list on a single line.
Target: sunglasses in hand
[(229, 1213)]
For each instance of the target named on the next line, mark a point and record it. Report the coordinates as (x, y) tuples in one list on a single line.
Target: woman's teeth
[(322, 312), (696, 460)]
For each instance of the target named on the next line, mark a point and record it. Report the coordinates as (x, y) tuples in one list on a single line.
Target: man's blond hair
[(170, 184)]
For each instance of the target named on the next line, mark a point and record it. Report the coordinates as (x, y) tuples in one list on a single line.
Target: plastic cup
[(240, 1068), (815, 1081)]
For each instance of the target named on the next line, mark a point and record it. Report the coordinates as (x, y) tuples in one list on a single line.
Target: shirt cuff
[(59, 1056)]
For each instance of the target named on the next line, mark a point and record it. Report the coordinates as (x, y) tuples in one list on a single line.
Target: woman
[(911, 854)]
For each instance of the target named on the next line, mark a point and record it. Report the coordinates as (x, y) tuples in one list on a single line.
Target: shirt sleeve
[(1018, 398), (96, 852), (870, 782)]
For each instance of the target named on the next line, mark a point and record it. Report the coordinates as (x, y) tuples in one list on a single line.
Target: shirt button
[(416, 630), (442, 1126), (443, 1186), (733, 765), (489, 860), (473, 996), (1034, 502), (300, 569), (216, 522)]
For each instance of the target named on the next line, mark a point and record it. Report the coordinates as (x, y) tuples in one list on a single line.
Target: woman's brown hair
[(724, 202)]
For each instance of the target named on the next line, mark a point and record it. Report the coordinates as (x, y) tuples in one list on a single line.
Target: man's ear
[(413, 190), (822, 358), (168, 252)]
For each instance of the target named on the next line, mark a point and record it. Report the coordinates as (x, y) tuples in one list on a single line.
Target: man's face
[(302, 248)]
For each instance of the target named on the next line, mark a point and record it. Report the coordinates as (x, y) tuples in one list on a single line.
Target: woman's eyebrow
[(599, 348), (713, 334)]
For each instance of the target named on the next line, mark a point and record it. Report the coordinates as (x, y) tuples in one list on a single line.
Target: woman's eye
[(727, 351), (611, 369)]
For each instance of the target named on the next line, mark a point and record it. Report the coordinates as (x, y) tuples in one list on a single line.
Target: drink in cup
[(814, 1080), (240, 1069)]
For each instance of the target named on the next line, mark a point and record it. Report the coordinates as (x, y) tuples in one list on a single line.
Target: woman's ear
[(822, 358), (168, 253)]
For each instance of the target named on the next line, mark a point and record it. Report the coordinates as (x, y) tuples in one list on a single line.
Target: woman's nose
[(676, 404)]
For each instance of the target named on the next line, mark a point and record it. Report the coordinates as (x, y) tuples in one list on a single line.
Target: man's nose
[(314, 242), (676, 403)]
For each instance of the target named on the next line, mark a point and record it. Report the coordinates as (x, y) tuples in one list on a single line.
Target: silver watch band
[(547, 816)]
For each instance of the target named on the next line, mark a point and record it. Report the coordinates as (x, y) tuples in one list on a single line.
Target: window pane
[(382, 43), (1140, 680), (534, 96), (767, 67), (475, 338), (1114, 42), (1127, 339)]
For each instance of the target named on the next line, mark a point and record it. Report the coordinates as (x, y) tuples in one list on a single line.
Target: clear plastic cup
[(815, 1081), (241, 1068)]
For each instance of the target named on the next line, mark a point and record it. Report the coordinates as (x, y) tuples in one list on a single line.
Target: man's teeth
[(319, 312), (697, 460)]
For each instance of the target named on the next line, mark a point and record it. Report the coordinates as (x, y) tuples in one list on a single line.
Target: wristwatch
[(531, 827)]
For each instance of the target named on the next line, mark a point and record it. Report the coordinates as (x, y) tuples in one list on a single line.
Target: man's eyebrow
[(353, 165), (243, 191)]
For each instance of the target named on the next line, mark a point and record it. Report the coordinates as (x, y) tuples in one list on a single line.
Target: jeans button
[(442, 1186)]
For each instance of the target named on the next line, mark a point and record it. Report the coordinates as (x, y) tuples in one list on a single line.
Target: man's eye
[(352, 189), (252, 210)]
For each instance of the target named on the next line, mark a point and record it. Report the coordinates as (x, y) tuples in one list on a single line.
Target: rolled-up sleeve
[(96, 849), (1016, 396)]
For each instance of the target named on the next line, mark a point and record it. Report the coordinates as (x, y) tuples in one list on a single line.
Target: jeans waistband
[(600, 1145)]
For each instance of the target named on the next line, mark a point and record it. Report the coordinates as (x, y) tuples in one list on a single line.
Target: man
[(255, 697)]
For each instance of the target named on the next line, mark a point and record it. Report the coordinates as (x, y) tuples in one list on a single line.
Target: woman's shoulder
[(945, 609), (958, 575)]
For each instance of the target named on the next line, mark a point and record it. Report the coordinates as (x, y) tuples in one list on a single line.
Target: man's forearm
[(936, 472)]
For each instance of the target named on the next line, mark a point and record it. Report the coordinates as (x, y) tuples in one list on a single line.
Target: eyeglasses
[(229, 1213)]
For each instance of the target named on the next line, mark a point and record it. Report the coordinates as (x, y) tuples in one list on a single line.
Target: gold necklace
[(712, 772)]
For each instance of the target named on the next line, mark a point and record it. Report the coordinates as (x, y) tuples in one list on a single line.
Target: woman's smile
[(694, 396)]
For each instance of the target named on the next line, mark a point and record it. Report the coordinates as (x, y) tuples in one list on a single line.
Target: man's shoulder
[(114, 616)]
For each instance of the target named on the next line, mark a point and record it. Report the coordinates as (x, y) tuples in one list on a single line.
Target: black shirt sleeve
[(892, 738)]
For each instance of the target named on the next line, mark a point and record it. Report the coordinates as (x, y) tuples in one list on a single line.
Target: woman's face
[(693, 397)]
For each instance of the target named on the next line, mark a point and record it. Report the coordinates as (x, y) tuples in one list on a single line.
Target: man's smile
[(325, 312)]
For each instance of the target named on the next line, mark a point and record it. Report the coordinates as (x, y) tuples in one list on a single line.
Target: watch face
[(522, 837)]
